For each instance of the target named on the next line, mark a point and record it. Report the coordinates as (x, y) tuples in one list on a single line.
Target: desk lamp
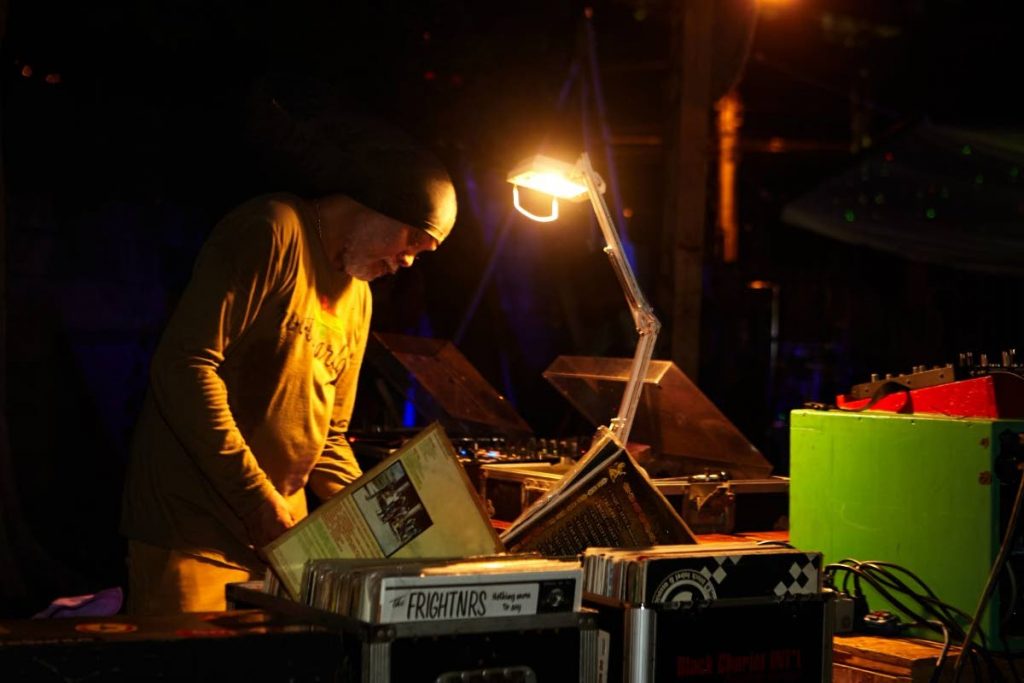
[(577, 182)]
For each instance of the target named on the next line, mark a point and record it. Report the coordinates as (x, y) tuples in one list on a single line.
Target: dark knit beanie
[(318, 148), (399, 180)]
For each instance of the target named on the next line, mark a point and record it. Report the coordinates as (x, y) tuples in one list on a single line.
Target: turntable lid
[(456, 394), (686, 432)]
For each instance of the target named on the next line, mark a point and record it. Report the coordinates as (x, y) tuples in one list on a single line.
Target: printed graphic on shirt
[(326, 345), (392, 509)]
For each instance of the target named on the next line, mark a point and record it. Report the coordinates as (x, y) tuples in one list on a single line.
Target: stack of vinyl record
[(700, 573), (409, 590)]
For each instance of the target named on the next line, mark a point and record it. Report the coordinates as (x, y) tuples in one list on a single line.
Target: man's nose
[(406, 260)]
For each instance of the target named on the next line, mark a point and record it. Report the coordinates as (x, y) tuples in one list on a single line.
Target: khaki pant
[(162, 581)]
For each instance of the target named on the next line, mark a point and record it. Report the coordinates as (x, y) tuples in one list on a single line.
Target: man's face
[(381, 245)]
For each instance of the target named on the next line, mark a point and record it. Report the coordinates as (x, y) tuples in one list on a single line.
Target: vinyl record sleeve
[(418, 503)]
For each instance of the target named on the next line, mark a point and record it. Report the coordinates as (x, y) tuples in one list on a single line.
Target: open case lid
[(686, 432), (452, 392)]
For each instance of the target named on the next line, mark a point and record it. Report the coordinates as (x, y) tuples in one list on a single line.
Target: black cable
[(973, 656), (884, 575), (1010, 663), (997, 568), (1005, 620), (929, 601), (881, 391), (887, 580), (1015, 375), (888, 567), (883, 580), (877, 585), (1011, 600)]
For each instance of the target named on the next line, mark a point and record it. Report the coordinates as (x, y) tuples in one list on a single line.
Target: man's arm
[(240, 268)]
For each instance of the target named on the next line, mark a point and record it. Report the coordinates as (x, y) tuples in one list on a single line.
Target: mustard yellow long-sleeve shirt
[(252, 385)]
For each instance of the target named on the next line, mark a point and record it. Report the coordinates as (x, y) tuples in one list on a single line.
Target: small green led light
[(966, 150), (929, 213), (849, 215)]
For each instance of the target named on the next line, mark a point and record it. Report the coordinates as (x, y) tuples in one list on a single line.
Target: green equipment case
[(929, 493)]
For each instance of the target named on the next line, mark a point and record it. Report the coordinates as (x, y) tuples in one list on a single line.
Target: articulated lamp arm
[(647, 323)]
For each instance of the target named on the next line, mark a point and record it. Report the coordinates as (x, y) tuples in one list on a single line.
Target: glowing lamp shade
[(550, 176)]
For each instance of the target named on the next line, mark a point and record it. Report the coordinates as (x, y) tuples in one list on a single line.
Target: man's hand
[(268, 521)]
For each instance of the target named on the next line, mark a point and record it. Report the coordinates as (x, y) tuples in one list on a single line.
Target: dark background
[(127, 133)]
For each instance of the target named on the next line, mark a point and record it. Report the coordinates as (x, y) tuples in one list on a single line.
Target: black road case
[(557, 647), (721, 641), (239, 645)]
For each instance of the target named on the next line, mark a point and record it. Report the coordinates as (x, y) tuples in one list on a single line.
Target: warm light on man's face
[(381, 245)]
